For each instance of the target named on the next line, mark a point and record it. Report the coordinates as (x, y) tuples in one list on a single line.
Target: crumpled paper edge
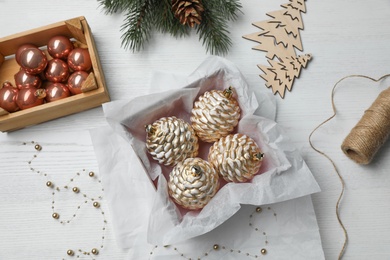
[(166, 225)]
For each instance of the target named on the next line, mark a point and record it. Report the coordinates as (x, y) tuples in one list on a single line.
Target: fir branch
[(142, 15), (113, 6), (213, 30), (137, 26), (165, 20), (228, 8)]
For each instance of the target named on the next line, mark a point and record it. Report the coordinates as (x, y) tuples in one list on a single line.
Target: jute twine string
[(378, 110), (370, 132)]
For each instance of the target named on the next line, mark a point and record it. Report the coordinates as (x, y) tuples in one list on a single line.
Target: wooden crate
[(94, 88)]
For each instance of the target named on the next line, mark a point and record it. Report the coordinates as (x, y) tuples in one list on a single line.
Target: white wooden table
[(344, 37)]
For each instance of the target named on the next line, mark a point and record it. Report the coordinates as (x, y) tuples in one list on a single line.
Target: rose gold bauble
[(57, 71), (30, 97), (23, 48), (33, 60), (25, 80), (56, 91), (8, 95), (76, 80), (59, 47), (79, 59)]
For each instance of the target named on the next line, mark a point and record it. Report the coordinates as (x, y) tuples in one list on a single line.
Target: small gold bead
[(95, 251), (259, 209), (263, 251), (70, 252), (49, 184), (55, 215), (91, 174), (38, 147), (96, 204), (76, 190), (216, 247)]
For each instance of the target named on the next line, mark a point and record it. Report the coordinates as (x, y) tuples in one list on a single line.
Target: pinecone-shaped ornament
[(215, 114), (171, 140), (193, 183), (188, 11), (237, 158)]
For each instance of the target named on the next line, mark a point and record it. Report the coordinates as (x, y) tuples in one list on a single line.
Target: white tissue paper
[(135, 185)]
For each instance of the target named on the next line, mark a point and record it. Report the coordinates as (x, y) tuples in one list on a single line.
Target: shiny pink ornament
[(76, 80), (56, 91), (79, 59), (33, 60), (57, 71), (30, 97), (59, 47), (23, 48), (42, 76), (25, 80), (8, 95)]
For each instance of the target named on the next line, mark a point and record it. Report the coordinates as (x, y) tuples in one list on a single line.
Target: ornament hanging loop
[(258, 157), (228, 93), (6, 84), (196, 170), (150, 129)]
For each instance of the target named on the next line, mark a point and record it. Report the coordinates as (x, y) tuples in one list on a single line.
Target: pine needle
[(142, 16)]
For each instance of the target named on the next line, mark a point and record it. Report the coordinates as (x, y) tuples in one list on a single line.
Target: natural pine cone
[(188, 11), (215, 115), (171, 140), (237, 158), (193, 183)]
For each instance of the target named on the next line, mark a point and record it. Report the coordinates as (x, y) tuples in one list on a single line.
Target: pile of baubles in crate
[(171, 141), (46, 78)]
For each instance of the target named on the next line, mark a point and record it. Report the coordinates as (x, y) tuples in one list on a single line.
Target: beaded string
[(96, 203), (217, 247)]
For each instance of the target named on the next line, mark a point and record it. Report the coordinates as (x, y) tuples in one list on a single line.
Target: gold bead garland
[(76, 190), (218, 247)]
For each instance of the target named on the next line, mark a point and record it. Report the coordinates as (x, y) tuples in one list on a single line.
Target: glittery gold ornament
[(193, 183), (171, 140), (237, 158), (215, 114)]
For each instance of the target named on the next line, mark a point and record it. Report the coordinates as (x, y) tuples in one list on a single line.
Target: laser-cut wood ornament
[(279, 38)]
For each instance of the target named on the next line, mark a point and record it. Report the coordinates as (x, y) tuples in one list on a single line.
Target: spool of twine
[(371, 132)]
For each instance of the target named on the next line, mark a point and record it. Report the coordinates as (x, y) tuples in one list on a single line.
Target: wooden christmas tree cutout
[(279, 38)]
